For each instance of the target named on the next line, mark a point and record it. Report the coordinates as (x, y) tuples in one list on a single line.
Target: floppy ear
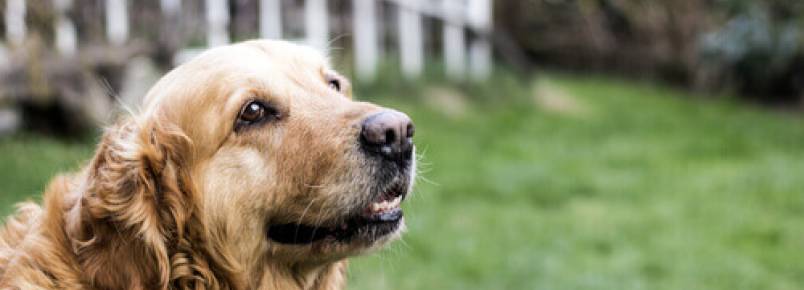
[(139, 225)]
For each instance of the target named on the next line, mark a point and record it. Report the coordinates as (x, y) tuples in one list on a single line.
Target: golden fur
[(175, 198)]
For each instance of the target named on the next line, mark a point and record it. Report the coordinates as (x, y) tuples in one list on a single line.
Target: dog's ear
[(138, 223)]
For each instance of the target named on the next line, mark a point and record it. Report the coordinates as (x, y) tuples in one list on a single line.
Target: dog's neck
[(331, 276)]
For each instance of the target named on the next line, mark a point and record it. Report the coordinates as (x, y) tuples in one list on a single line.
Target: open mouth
[(381, 217)]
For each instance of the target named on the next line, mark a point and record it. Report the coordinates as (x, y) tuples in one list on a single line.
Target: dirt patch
[(551, 97), (446, 100)]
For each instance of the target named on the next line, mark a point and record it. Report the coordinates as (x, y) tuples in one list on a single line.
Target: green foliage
[(646, 188), (759, 48)]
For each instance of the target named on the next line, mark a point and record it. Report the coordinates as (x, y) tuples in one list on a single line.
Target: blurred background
[(565, 144)]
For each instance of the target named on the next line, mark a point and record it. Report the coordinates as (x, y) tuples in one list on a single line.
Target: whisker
[(425, 179), (336, 38), (298, 223), (315, 186), (404, 244), (317, 224)]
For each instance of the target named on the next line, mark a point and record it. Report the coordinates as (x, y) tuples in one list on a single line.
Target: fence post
[(117, 21), (170, 8), (271, 19), (366, 51), (217, 22), (66, 38), (316, 23), (454, 37), (171, 38), (15, 21), (480, 49), (411, 44)]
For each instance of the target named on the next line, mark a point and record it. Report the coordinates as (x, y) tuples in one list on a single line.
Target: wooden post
[(117, 21), (480, 48), (217, 22), (170, 8), (15, 21), (66, 35), (366, 43), (316, 23), (171, 39), (454, 38), (411, 45), (271, 19)]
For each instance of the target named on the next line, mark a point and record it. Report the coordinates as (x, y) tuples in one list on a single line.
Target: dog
[(248, 167)]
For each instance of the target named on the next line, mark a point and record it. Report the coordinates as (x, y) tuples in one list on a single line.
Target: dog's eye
[(255, 112), (335, 84)]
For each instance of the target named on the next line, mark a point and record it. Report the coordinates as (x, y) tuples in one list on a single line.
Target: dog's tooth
[(386, 205), (396, 201)]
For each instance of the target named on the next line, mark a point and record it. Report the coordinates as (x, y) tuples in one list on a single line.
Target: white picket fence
[(462, 54)]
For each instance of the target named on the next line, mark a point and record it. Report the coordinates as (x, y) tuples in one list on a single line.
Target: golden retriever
[(249, 167)]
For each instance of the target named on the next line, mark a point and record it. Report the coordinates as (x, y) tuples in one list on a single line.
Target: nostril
[(390, 136)]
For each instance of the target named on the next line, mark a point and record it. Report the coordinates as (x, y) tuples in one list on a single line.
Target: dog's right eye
[(254, 113)]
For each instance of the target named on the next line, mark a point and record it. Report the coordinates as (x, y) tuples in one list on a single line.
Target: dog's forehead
[(249, 62), (214, 85), (270, 59), (276, 52), (290, 52)]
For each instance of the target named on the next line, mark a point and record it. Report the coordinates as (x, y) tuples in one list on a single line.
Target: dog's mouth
[(380, 218)]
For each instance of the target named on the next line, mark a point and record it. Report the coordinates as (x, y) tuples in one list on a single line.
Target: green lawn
[(604, 184), (28, 162)]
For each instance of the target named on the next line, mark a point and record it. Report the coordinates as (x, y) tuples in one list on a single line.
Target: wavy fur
[(171, 202)]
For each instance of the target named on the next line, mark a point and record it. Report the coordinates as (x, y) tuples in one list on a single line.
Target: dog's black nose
[(389, 133)]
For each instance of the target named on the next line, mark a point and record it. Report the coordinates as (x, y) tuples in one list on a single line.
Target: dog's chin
[(376, 224)]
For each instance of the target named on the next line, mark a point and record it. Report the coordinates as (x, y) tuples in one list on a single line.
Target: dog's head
[(264, 144)]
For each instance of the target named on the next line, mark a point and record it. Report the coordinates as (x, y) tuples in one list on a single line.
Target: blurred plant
[(759, 50)]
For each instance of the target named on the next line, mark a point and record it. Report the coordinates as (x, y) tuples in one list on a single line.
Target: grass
[(28, 162), (644, 187)]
